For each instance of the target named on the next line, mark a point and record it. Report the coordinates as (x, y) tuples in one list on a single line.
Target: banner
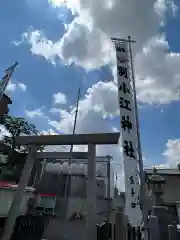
[(128, 135)]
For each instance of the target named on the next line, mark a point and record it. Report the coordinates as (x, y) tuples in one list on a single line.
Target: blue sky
[(159, 122)]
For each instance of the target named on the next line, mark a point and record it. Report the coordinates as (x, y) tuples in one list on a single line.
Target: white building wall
[(6, 198), (78, 183)]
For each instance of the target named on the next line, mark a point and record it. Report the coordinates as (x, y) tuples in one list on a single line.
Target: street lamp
[(156, 183)]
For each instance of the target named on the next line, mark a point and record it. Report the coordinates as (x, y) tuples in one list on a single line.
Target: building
[(7, 192), (49, 172), (50, 179), (171, 195), (11, 175), (4, 102)]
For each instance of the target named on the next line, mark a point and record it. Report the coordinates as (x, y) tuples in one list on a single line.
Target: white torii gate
[(78, 139)]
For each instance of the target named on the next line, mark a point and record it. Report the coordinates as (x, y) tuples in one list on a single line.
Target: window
[(46, 205)]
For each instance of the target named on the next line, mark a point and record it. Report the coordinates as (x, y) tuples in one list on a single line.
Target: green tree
[(18, 126)]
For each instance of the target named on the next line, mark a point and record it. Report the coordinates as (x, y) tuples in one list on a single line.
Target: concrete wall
[(6, 198), (51, 183), (78, 187), (78, 184), (171, 191)]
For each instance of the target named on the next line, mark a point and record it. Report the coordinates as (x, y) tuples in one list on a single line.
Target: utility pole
[(68, 181), (143, 197), (108, 193), (140, 160)]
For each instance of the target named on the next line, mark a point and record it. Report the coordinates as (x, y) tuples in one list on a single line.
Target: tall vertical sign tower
[(128, 133)]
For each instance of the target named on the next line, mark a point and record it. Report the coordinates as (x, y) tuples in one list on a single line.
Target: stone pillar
[(173, 234), (121, 226), (164, 219), (153, 228), (15, 206), (91, 194)]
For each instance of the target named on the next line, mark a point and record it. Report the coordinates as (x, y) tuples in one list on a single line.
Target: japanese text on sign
[(128, 133)]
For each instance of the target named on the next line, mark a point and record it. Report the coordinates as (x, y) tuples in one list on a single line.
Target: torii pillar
[(78, 139)]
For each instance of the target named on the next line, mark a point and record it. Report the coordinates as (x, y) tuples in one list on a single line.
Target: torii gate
[(77, 139)]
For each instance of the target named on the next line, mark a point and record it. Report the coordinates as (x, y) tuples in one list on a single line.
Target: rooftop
[(163, 171), (12, 186), (8, 98)]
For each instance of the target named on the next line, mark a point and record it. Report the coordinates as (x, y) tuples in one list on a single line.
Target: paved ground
[(65, 230)]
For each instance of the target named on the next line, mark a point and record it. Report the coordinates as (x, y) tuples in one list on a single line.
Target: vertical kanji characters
[(124, 104), (126, 124), (133, 205), (128, 149), (122, 71)]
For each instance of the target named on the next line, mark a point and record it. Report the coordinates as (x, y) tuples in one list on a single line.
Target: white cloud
[(50, 131), (34, 113), (59, 98), (157, 72), (86, 42), (55, 124), (57, 3), (11, 87), (41, 46), (22, 86), (162, 6), (15, 86), (97, 21), (172, 153), (55, 110), (102, 97)]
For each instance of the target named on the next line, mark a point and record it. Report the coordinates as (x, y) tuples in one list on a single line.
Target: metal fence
[(105, 232), (133, 233), (30, 227)]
